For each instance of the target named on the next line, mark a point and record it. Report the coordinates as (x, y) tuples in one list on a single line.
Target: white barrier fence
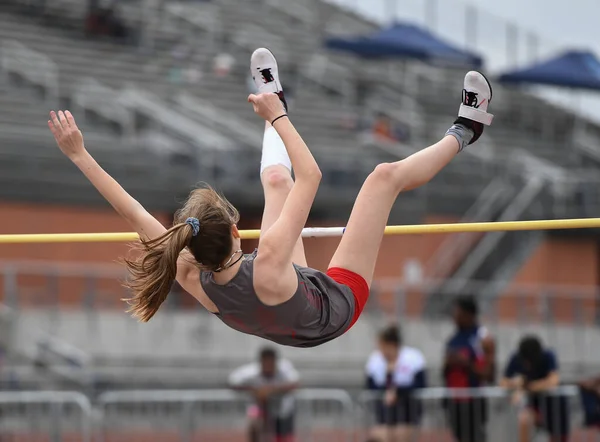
[(216, 415), (321, 415), (54, 416)]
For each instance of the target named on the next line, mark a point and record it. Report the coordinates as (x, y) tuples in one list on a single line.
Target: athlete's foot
[(264, 70), (473, 112)]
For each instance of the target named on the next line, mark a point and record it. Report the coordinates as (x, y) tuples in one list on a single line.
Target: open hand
[(67, 134), (267, 106)]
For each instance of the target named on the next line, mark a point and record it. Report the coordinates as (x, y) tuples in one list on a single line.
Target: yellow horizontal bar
[(68, 237), (585, 223)]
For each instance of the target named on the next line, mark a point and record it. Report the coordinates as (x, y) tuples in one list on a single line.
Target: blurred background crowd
[(468, 337)]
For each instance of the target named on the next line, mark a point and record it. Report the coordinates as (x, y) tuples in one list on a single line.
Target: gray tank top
[(319, 311)]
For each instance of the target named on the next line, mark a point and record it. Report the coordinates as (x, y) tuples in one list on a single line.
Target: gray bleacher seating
[(322, 91)]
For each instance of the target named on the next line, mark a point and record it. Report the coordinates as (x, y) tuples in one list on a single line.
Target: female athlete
[(271, 293)]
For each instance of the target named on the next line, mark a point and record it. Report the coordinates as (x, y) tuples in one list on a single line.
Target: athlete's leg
[(277, 183), (360, 243), (275, 171), (359, 246)]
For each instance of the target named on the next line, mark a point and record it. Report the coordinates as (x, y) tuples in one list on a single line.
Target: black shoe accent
[(283, 100), (267, 77), (476, 127), (489, 85)]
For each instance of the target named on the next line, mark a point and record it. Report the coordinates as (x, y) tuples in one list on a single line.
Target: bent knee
[(386, 173), (277, 177)]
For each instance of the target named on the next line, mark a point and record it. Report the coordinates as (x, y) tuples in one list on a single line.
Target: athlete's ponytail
[(152, 274), (203, 226)]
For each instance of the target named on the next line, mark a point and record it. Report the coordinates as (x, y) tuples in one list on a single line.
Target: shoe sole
[(486, 80)]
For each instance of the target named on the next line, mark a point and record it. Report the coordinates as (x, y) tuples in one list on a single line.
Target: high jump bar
[(321, 232)]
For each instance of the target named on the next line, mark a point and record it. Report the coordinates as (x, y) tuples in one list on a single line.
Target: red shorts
[(358, 286)]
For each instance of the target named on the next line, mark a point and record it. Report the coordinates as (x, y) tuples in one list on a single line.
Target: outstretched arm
[(70, 141), (277, 245)]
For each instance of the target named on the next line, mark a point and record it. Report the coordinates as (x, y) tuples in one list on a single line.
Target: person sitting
[(532, 374), (396, 371), (589, 390), (270, 382)]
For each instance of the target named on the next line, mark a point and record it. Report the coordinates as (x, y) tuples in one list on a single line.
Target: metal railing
[(519, 205), (216, 415), (479, 412), (94, 287), (534, 303), (55, 416), (35, 67), (320, 415), (91, 95), (454, 249)]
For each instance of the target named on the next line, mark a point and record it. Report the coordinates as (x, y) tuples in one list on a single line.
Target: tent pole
[(431, 7), (512, 44), (391, 7), (471, 23), (533, 44)]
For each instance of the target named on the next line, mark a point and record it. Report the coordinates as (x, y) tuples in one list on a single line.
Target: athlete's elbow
[(313, 175), (309, 183), (319, 175), (311, 172), (135, 215)]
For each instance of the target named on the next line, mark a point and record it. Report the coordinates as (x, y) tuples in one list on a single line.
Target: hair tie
[(195, 223)]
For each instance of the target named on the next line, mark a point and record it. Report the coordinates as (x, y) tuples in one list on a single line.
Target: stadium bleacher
[(156, 100)]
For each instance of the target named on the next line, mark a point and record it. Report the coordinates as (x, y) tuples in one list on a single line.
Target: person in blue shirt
[(532, 374), (395, 371), (469, 363), (589, 390)]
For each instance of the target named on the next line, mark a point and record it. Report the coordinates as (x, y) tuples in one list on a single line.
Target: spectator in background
[(386, 129), (270, 382), (383, 128), (223, 64), (396, 371), (103, 19), (589, 390), (469, 363), (531, 373)]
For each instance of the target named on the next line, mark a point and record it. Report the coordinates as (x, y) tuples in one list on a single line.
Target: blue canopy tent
[(405, 41), (573, 69)]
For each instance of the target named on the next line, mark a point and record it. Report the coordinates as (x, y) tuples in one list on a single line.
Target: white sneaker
[(477, 95), (265, 73)]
